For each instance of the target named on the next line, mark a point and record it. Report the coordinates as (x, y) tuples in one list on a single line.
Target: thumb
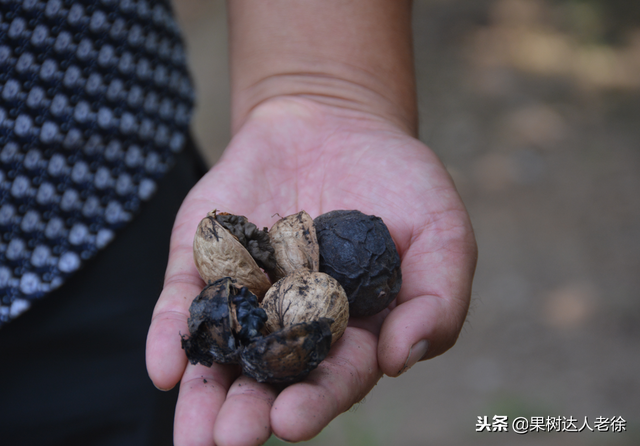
[(432, 304), (421, 328)]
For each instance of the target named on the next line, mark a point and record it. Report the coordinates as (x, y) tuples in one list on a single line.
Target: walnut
[(306, 296), (295, 245), (358, 251), (254, 240), (226, 327), (224, 317), (217, 254), (288, 355), (341, 263)]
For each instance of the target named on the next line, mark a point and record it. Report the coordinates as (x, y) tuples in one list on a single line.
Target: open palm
[(296, 154)]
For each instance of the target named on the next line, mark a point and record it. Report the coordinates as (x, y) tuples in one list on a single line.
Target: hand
[(295, 154)]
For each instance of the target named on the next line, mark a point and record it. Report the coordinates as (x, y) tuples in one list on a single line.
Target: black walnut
[(223, 318), (357, 250), (288, 355)]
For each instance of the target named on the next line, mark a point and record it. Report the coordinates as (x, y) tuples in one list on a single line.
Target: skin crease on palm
[(293, 154)]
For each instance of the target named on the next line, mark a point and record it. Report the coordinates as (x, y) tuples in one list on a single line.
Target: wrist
[(342, 88), (354, 55)]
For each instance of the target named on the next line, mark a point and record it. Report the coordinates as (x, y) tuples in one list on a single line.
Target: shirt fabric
[(95, 103)]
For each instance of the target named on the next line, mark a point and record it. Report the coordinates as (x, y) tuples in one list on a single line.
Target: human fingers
[(202, 392), (346, 375), (432, 305), (165, 357), (243, 419)]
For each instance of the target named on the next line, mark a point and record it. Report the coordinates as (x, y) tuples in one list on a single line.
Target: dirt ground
[(534, 107)]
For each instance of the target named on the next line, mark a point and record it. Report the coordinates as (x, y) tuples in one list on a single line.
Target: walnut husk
[(306, 296), (295, 245), (211, 326), (358, 251), (288, 355), (224, 317), (254, 240), (217, 254)]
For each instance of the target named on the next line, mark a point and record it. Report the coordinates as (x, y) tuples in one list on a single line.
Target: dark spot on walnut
[(211, 231)]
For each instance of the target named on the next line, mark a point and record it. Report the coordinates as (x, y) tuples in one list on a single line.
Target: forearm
[(351, 54)]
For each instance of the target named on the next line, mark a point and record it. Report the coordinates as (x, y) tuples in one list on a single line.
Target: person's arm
[(324, 118), (353, 54)]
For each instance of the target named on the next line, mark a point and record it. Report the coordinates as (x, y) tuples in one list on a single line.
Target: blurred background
[(534, 107)]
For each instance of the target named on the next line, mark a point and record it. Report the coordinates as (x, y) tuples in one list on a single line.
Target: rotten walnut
[(358, 251), (305, 311), (226, 327)]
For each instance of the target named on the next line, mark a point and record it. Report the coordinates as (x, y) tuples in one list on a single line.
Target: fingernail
[(416, 353)]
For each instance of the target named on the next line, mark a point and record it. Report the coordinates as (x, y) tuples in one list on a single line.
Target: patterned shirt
[(95, 102)]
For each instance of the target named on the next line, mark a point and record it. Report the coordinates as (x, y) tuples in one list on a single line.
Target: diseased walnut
[(254, 240), (288, 355), (217, 254), (295, 245), (306, 296), (358, 251), (226, 327), (224, 317), (306, 310)]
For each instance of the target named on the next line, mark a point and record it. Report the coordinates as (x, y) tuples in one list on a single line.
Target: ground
[(533, 106)]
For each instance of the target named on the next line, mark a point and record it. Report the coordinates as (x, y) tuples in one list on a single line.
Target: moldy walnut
[(226, 326), (224, 316), (358, 251), (283, 338)]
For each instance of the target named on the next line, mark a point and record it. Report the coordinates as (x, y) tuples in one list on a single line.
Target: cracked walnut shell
[(223, 318), (218, 253)]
